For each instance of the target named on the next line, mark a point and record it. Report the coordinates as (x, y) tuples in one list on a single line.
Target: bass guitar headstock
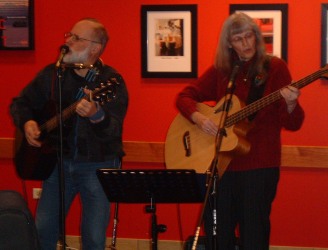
[(325, 72)]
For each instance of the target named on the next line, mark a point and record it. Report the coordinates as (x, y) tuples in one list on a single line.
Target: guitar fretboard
[(274, 96)]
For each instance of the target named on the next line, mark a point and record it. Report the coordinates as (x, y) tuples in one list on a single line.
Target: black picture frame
[(277, 39), (169, 41), (17, 25), (324, 34)]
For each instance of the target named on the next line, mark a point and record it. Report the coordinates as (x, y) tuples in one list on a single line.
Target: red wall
[(299, 215)]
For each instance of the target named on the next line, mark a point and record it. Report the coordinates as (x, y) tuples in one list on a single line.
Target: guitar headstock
[(106, 92), (325, 70)]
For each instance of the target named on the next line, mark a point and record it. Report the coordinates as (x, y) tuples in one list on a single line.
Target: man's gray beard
[(76, 58)]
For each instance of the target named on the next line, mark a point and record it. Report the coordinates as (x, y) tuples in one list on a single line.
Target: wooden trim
[(144, 244), (153, 152), (304, 156)]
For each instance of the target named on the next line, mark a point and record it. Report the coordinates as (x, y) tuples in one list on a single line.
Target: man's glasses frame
[(76, 38)]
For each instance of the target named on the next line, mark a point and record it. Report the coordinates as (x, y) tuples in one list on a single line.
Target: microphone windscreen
[(64, 49)]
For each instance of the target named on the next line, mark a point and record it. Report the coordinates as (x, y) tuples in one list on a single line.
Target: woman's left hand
[(290, 94)]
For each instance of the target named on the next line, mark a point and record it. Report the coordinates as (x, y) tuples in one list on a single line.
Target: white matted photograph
[(169, 37)]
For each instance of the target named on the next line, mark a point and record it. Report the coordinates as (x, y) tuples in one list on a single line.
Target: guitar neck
[(104, 93), (53, 123), (274, 96)]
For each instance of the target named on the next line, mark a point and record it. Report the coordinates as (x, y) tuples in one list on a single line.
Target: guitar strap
[(90, 77), (92, 74), (257, 87)]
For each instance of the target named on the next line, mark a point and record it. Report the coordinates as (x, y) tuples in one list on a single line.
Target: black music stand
[(154, 186)]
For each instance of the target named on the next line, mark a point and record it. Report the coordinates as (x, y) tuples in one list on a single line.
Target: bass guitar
[(37, 163), (188, 147)]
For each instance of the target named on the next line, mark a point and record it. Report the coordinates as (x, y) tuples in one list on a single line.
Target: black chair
[(17, 228)]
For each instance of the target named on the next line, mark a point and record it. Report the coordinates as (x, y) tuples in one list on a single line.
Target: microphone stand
[(61, 67), (214, 178), (60, 71)]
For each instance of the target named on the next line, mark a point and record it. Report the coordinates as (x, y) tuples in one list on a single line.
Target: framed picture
[(324, 35), (16, 25), (273, 21), (169, 41)]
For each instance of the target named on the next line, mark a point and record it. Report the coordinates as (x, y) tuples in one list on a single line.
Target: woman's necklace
[(246, 75)]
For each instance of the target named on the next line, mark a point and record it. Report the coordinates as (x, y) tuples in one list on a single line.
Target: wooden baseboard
[(153, 152), (73, 243)]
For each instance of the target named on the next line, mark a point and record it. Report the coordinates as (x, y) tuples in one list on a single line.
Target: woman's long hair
[(225, 55)]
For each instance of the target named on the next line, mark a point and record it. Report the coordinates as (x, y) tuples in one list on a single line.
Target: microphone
[(63, 51), (231, 87), (234, 74)]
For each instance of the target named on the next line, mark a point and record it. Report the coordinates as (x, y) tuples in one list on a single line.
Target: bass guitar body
[(188, 147)]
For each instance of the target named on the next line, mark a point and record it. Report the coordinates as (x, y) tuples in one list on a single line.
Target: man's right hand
[(32, 133)]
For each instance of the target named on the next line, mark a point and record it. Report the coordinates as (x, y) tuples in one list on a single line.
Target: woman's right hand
[(204, 123)]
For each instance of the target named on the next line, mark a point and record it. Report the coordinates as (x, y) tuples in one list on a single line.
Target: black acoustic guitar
[(37, 163)]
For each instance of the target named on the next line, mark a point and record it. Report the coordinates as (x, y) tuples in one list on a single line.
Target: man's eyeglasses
[(76, 38)]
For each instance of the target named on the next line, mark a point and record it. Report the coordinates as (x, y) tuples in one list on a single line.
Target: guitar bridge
[(186, 143)]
